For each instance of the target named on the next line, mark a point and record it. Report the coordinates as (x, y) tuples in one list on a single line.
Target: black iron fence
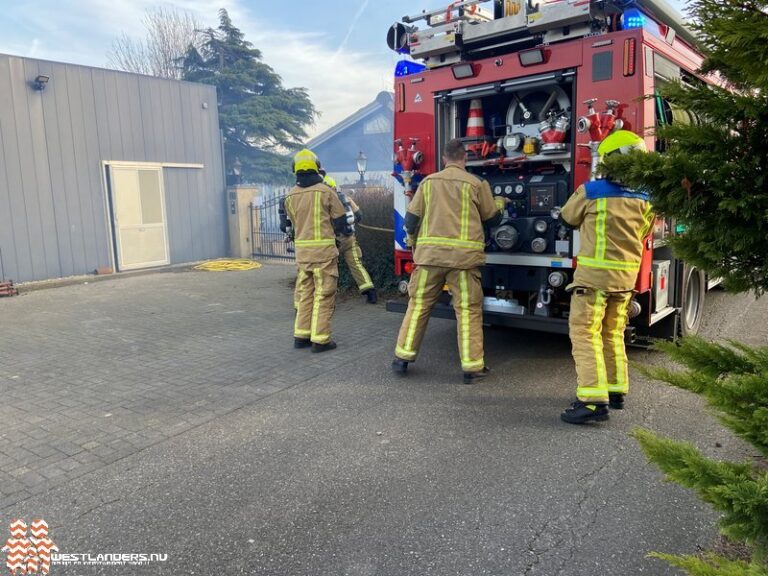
[(266, 238)]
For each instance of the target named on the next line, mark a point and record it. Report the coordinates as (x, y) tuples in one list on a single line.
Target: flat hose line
[(375, 228)]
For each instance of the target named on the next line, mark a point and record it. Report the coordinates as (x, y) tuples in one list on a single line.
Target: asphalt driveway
[(169, 414)]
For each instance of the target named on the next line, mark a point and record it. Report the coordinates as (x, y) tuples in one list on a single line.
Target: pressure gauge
[(506, 237), (556, 279), (497, 190), (508, 189), (538, 245), (519, 188)]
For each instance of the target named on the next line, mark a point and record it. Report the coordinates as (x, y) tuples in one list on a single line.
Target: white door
[(138, 212)]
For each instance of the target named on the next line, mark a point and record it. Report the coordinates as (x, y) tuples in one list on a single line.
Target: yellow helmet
[(305, 161), (330, 181), (620, 142)]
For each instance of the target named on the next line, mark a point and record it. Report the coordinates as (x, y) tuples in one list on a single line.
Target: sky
[(335, 49)]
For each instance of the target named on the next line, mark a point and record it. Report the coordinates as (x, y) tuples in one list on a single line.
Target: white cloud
[(338, 87), (339, 80)]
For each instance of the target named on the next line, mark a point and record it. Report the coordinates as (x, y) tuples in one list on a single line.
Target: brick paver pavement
[(92, 373)]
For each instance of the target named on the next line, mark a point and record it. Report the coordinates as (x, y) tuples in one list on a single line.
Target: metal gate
[(266, 238)]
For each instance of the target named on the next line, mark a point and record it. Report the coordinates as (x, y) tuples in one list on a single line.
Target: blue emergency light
[(406, 68), (632, 18)]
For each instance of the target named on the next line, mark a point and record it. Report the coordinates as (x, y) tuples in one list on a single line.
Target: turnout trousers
[(353, 256), (596, 327), (424, 289), (315, 300)]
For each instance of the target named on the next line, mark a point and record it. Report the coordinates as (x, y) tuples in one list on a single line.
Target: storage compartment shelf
[(490, 162)]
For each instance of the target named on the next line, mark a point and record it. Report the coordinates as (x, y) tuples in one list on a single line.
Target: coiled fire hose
[(228, 265)]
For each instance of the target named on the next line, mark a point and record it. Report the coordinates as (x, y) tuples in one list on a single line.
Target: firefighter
[(612, 221), (349, 249), (314, 216), (445, 221)]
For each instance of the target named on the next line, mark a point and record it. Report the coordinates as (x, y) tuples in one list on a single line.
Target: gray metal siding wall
[(53, 213)]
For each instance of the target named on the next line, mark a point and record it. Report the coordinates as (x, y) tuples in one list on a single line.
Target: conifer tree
[(712, 180), (261, 120), (734, 380), (712, 177)]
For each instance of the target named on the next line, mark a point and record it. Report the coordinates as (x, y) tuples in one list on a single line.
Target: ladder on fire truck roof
[(465, 27)]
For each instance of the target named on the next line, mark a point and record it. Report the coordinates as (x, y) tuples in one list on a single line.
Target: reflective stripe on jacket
[(612, 223), (451, 206), (312, 210)]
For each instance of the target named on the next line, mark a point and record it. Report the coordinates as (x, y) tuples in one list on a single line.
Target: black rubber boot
[(616, 400), (331, 345), (302, 343), (472, 377), (370, 296), (580, 413), (399, 366)]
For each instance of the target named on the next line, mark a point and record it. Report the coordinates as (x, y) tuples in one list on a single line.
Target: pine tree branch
[(737, 490)]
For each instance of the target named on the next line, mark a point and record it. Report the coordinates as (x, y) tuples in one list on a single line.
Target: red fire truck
[(532, 87)]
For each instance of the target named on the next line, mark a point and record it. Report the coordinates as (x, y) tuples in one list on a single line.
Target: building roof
[(383, 101), (43, 62)]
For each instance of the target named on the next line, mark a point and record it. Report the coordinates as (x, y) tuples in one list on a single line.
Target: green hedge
[(377, 207)]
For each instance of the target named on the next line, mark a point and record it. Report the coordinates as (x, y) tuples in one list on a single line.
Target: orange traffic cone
[(475, 126)]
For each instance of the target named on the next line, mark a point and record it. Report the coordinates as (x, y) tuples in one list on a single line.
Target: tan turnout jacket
[(612, 223), (311, 211), (451, 206)]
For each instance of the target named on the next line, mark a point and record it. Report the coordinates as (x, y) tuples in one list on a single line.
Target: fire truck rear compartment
[(531, 92), (534, 178)]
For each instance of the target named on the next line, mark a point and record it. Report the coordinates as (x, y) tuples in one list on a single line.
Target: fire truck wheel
[(694, 288)]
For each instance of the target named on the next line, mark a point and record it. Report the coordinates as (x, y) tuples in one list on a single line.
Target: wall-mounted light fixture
[(237, 171), (40, 82)]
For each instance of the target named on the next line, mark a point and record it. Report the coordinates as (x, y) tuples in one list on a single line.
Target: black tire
[(694, 290)]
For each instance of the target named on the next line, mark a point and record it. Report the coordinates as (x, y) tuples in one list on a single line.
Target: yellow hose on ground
[(228, 265)]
